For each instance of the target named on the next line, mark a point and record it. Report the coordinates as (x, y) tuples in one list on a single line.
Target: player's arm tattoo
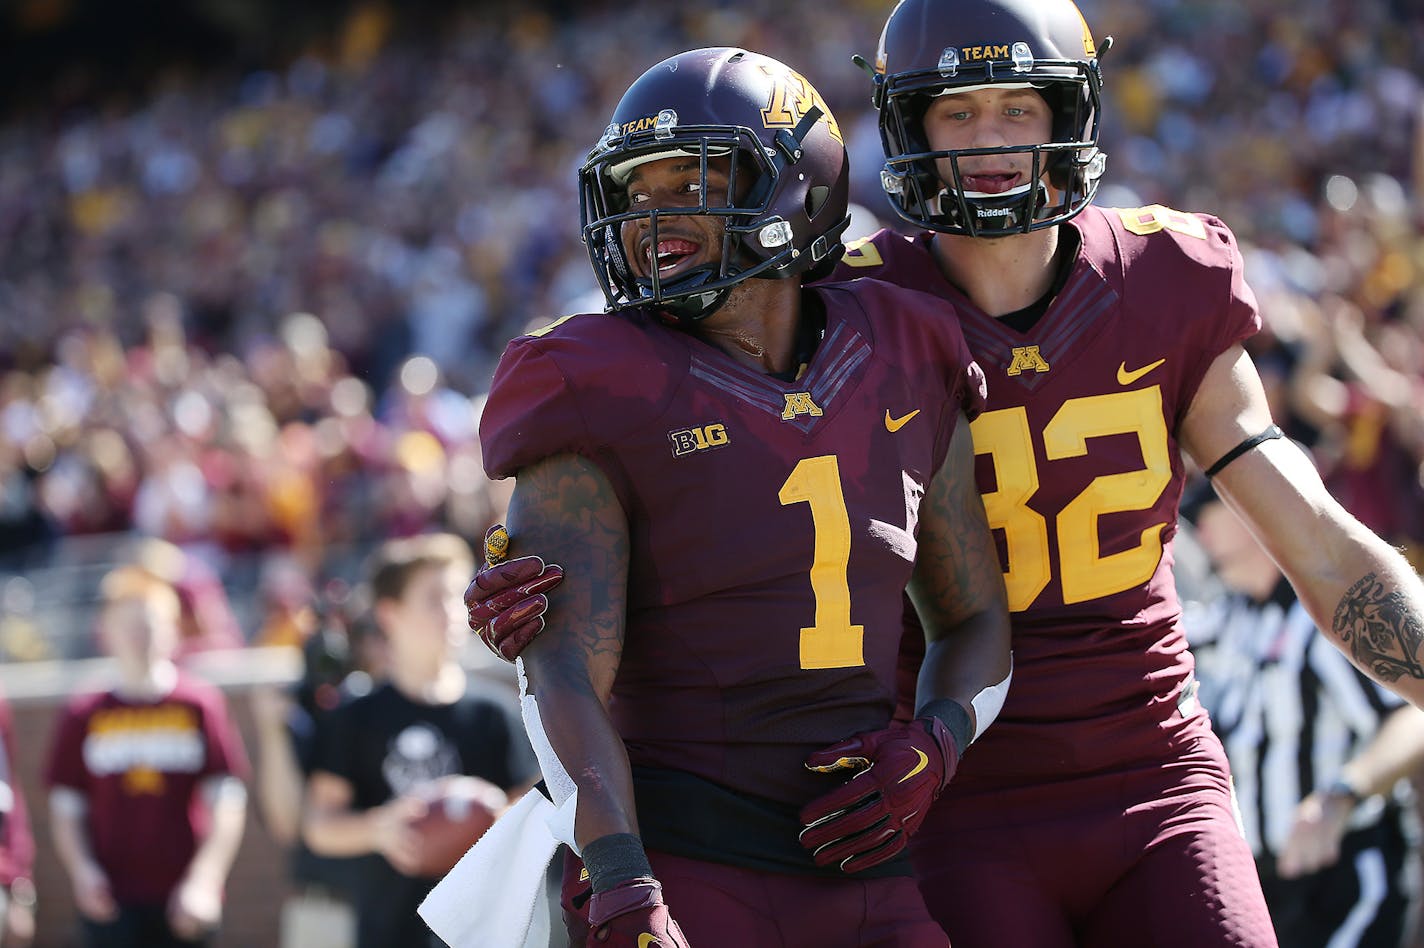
[(566, 509), (957, 572), (1381, 630), (957, 586)]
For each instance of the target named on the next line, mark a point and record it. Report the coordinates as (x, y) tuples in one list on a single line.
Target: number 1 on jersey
[(832, 642)]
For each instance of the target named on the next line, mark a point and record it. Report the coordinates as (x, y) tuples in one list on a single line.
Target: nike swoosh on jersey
[(895, 424), (1125, 377), (646, 939), (924, 762)]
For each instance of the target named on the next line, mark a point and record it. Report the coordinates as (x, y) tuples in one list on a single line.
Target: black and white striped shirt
[(1289, 707)]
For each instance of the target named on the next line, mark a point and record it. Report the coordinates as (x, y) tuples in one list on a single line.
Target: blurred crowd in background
[(251, 312)]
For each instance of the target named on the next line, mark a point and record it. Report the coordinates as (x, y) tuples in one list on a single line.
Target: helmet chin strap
[(994, 215), (694, 307)]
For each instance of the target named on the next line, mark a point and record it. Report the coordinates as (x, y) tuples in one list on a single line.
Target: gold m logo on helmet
[(705, 438), (791, 97), (1025, 358), (799, 403), (1089, 48)]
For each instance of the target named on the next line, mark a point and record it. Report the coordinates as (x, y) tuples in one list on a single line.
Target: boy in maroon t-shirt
[(146, 796)]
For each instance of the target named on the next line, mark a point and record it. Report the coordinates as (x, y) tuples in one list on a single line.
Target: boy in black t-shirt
[(376, 754)]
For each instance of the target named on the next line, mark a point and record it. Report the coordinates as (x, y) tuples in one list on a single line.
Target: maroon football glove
[(632, 915), (505, 600), (867, 820)]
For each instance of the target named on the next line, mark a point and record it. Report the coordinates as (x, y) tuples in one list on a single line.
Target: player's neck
[(441, 683), (146, 681), (757, 324), (1000, 274)]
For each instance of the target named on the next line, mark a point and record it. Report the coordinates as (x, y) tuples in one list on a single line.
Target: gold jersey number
[(1084, 572)]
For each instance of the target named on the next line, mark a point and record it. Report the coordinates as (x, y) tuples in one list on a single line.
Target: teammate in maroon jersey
[(1097, 812), (742, 477)]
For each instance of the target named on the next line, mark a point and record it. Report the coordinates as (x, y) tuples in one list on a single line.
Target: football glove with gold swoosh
[(632, 915), (899, 771), (506, 600)]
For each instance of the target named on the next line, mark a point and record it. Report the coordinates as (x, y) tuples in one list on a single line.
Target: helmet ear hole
[(816, 199)]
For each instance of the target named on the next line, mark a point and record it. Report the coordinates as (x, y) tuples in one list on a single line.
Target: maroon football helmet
[(932, 47), (710, 103)]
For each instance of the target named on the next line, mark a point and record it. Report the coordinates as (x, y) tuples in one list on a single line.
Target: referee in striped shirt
[(1318, 752)]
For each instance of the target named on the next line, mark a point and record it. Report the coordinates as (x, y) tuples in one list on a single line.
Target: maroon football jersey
[(1081, 473), (772, 523), (138, 765)]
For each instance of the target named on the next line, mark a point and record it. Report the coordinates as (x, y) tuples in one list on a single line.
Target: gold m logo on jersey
[(1026, 358), (688, 440), (799, 403)]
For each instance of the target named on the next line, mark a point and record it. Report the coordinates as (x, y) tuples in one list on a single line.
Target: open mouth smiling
[(671, 256), (990, 181)]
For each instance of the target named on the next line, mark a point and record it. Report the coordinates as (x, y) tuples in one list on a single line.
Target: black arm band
[(955, 718), (1272, 432), (614, 859)]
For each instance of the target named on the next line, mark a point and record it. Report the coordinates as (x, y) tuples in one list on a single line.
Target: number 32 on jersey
[(1084, 572)]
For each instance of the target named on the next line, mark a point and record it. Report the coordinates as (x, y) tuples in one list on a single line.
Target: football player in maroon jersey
[(742, 476), (1097, 811)]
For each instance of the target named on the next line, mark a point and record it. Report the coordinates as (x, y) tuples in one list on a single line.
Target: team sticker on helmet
[(791, 97)]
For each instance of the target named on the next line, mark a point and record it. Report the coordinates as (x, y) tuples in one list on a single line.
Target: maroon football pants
[(1145, 857), (728, 905)]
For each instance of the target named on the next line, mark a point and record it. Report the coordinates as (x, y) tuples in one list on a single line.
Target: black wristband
[(955, 718), (614, 859), (1272, 432)]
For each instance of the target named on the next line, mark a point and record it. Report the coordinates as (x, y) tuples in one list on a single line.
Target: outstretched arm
[(1360, 591)]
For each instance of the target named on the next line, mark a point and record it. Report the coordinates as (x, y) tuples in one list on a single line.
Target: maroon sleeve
[(531, 412), (225, 753), (971, 389), (1237, 316), (17, 843), (65, 767), (934, 335)]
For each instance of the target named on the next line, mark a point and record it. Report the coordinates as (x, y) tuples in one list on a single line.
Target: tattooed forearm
[(565, 509), (957, 570), (1381, 630)]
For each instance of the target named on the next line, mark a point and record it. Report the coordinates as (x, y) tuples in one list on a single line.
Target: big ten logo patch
[(687, 440)]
